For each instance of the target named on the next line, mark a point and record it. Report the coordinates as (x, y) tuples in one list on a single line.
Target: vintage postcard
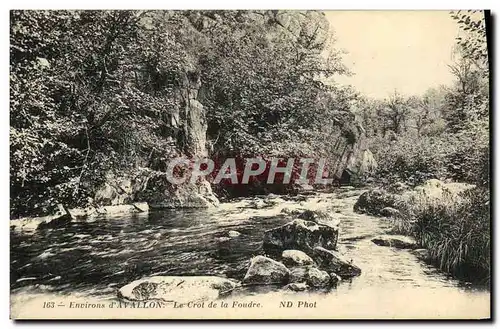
[(251, 164)]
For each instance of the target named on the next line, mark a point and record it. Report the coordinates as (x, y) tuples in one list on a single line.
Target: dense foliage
[(456, 231), (95, 94), (444, 133)]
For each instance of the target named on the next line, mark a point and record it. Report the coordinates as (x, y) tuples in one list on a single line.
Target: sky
[(387, 50)]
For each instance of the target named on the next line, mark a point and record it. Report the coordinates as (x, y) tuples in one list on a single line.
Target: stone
[(372, 202), (43, 62), (301, 235), (422, 254), (298, 274), (181, 289), (361, 166), (259, 204), (332, 261), (396, 241), (296, 286), (296, 258), (317, 278), (264, 270), (389, 212), (311, 275), (233, 234), (320, 217), (288, 211)]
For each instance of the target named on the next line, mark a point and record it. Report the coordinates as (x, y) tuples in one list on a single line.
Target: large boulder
[(332, 261), (396, 241), (372, 202), (302, 235), (181, 289), (265, 270), (296, 258)]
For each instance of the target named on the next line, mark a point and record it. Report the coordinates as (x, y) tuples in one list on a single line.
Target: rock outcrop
[(150, 184), (360, 166)]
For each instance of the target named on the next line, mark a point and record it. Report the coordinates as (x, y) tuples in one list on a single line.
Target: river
[(92, 259)]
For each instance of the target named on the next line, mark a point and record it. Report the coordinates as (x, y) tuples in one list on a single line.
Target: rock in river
[(372, 202), (317, 278), (302, 235), (332, 261), (396, 241), (233, 234), (298, 274), (265, 270), (311, 275), (296, 258), (320, 216), (181, 289)]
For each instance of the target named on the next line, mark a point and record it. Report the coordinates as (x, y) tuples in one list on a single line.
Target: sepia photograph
[(250, 164)]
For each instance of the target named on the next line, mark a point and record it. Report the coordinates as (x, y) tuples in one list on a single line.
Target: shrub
[(462, 156), (455, 229)]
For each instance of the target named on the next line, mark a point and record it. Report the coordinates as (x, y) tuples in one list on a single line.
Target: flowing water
[(95, 258)]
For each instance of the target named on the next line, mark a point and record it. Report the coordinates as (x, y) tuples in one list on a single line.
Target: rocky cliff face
[(188, 121), (352, 158), (192, 143), (151, 186)]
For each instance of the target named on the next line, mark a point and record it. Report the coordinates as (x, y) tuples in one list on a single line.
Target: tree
[(396, 113)]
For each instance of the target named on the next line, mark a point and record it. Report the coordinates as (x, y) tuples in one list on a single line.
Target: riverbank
[(115, 250), (30, 224), (450, 220)]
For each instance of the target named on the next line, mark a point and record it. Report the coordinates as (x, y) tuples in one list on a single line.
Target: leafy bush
[(462, 156), (455, 229)]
